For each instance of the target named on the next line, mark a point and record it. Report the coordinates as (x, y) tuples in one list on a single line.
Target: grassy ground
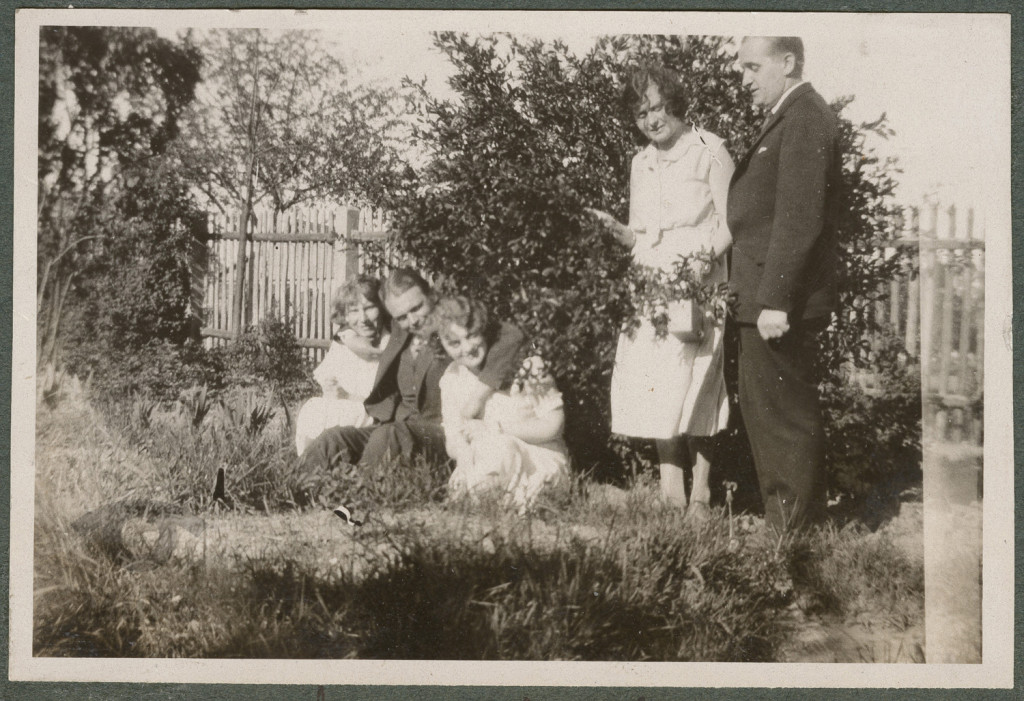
[(133, 559)]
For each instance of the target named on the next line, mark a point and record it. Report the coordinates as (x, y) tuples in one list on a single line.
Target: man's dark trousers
[(374, 445), (778, 389)]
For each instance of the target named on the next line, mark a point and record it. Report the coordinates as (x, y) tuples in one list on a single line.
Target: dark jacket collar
[(399, 340), (798, 92), (784, 105)]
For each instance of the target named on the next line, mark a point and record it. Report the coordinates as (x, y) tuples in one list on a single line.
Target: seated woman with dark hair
[(506, 443), (347, 372)]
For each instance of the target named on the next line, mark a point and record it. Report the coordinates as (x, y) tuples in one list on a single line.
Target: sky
[(939, 101)]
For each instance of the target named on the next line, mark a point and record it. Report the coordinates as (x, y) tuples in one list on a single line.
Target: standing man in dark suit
[(405, 401), (784, 276)]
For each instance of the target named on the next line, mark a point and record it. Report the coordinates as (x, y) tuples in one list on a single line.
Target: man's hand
[(772, 323)]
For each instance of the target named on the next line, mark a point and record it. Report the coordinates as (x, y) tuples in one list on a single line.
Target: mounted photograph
[(357, 340)]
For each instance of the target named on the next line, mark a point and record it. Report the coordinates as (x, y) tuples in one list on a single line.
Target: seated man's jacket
[(382, 402)]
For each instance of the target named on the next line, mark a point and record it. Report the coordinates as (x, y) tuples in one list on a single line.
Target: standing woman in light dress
[(662, 387), (348, 369)]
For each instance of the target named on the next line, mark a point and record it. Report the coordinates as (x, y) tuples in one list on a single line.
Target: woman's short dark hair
[(669, 83), (350, 293), (467, 313)]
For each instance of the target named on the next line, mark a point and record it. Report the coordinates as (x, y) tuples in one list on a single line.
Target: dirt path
[(321, 541)]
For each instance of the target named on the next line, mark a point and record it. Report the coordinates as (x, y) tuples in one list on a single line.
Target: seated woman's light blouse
[(496, 462), (345, 380)]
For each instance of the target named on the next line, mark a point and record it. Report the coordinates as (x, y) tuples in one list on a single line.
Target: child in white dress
[(347, 372), (509, 445)]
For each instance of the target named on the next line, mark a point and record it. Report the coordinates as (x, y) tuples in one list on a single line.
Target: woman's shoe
[(698, 512)]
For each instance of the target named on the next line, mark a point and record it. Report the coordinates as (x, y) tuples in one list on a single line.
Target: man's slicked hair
[(402, 279), (787, 45)]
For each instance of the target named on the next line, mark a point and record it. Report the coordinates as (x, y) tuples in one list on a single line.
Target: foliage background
[(535, 136), (116, 228)]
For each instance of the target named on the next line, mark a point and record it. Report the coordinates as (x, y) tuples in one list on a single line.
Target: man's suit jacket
[(382, 402), (780, 213)]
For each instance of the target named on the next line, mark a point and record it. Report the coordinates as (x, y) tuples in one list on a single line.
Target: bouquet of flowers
[(680, 301)]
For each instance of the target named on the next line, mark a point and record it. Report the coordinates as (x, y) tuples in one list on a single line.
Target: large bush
[(132, 306), (113, 227), (534, 135)]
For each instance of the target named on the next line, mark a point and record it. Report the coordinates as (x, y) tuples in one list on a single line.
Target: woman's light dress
[(494, 462), (346, 380), (662, 387)]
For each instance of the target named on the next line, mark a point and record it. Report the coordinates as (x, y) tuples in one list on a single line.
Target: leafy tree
[(281, 101), (536, 134), (278, 120), (139, 288), (109, 103)]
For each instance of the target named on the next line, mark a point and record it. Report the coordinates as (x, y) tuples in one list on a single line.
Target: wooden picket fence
[(294, 262), (939, 312)]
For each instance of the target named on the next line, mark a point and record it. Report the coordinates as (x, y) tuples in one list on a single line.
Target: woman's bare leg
[(700, 493), (671, 457), (700, 453)]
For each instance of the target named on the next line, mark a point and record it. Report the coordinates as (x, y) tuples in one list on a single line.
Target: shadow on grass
[(577, 602)]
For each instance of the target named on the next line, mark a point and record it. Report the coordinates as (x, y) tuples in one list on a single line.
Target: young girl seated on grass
[(347, 372), (506, 444)]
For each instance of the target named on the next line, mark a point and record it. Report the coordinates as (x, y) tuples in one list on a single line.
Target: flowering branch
[(655, 290)]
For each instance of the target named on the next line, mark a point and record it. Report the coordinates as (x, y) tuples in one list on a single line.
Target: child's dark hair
[(467, 313)]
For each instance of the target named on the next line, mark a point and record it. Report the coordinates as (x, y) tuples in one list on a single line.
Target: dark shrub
[(874, 436), (269, 355), (536, 136), (160, 370)]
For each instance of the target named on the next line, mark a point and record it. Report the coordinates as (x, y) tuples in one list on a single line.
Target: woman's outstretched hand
[(622, 233)]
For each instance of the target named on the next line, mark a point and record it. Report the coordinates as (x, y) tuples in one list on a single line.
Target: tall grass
[(853, 574), (581, 578), (656, 597), (244, 433)]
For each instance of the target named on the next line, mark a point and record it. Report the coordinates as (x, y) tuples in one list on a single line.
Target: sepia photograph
[(584, 348)]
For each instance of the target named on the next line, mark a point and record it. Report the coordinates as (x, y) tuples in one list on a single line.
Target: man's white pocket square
[(762, 149)]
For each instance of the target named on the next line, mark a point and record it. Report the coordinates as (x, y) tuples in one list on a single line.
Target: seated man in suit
[(405, 401)]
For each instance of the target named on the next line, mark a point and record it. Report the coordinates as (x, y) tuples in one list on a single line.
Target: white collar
[(686, 141), (782, 98)]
